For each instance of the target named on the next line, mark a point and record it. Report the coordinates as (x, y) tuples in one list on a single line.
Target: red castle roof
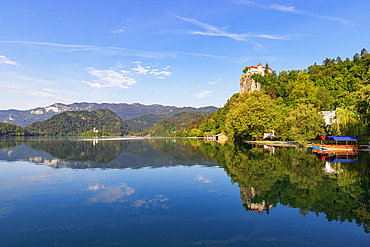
[(255, 67)]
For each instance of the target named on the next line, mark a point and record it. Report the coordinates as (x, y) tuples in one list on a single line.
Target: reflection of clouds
[(109, 194), (202, 179), (4, 211), (151, 202), (42, 177)]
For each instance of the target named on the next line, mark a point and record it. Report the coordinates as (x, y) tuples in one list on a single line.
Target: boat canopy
[(342, 138), (344, 160)]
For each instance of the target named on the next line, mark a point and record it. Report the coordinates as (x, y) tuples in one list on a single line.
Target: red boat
[(345, 143)]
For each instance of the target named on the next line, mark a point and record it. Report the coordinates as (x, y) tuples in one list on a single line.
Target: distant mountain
[(74, 123), (170, 126), (124, 111)]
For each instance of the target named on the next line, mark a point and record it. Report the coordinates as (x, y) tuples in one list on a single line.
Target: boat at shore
[(341, 143)]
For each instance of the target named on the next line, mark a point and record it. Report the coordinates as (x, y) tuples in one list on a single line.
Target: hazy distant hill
[(124, 111), (73, 123)]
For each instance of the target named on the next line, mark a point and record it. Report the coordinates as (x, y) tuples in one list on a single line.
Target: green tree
[(301, 124), (252, 117)]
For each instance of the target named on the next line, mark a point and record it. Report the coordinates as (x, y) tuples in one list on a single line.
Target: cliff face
[(248, 84)]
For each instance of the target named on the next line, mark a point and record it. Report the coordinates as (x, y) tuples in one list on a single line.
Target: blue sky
[(181, 53)]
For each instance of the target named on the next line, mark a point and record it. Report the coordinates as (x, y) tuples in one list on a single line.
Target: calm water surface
[(178, 192)]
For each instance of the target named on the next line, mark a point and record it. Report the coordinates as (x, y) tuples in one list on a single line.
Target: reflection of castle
[(247, 195)]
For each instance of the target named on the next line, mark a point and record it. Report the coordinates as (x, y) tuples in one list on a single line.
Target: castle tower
[(247, 83)]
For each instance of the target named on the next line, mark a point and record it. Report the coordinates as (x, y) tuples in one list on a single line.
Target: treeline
[(290, 103)]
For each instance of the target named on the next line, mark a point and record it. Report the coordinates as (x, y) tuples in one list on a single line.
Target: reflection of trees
[(9, 143), (104, 154), (296, 178), (78, 150), (177, 148)]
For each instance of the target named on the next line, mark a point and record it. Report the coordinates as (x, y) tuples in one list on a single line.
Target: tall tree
[(253, 117), (301, 124)]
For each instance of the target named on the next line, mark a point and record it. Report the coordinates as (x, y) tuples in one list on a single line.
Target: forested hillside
[(290, 103), (73, 123), (175, 125), (145, 122), (7, 129)]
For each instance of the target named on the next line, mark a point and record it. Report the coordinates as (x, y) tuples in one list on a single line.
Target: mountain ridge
[(125, 111)]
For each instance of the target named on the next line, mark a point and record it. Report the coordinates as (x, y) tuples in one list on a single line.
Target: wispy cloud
[(213, 83), (51, 90), (221, 32), (118, 31), (31, 92), (203, 55), (5, 60), (289, 9), (203, 94), (98, 49)]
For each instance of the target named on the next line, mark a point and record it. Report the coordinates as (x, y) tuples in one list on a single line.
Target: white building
[(247, 83), (258, 70), (329, 117)]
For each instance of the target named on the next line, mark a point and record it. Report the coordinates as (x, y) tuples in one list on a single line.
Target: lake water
[(179, 192)]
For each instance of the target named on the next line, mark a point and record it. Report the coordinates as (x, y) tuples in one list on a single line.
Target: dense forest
[(75, 123), (7, 129), (174, 125), (291, 103)]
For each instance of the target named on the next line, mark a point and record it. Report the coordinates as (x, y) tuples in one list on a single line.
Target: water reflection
[(333, 184), (298, 179), (103, 154), (111, 194)]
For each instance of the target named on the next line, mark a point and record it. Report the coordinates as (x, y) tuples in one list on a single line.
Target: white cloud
[(140, 70), (5, 60), (212, 83), (157, 72), (203, 94), (289, 9), (119, 78), (117, 31), (95, 85), (111, 78)]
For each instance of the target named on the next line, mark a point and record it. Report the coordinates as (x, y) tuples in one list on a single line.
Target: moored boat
[(341, 143)]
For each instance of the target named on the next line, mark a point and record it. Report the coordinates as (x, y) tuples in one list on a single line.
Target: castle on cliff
[(247, 83)]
